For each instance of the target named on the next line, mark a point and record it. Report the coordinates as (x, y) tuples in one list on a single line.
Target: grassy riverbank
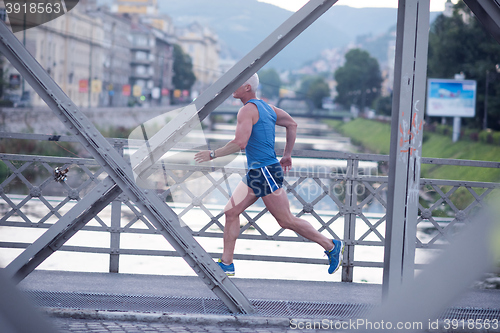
[(374, 137)]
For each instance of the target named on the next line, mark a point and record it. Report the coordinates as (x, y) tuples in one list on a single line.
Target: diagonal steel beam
[(488, 13), (54, 238), (162, 216)]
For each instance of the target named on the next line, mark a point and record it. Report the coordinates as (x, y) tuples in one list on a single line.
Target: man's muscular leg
[(242, 198)]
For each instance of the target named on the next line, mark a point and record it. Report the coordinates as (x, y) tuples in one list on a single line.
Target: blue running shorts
[(265, 180)]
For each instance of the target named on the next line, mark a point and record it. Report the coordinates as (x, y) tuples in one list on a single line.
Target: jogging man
[(255, 132)]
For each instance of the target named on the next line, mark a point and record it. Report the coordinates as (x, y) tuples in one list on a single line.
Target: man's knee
[(231, 213)]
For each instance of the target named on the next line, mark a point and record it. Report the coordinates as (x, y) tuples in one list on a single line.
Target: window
[(141, 55), (140, 70), (140, 40)]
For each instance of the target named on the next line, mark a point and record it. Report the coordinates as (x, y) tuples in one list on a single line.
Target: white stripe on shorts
[(269, 176)]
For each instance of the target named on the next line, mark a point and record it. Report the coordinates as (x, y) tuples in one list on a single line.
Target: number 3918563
[(33, 8)]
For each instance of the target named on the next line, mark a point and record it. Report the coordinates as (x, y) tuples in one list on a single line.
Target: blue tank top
[(260, 147)]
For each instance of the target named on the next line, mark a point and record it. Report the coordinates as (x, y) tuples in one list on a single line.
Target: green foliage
[(359, 80), (383, 105), (270, 83), (43, 148), (375, 137), (3, 82), (115, 132), (315, 88), (4, 171), (461, 44), (184, 77), (371, 135)]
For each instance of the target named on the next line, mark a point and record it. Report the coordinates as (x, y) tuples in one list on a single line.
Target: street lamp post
[(485, 116)]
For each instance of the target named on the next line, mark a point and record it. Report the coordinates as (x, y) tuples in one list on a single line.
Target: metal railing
[(342, 194)]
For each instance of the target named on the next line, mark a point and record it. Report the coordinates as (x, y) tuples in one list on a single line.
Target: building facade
[(70, 49), (117, 58), (202, 45)]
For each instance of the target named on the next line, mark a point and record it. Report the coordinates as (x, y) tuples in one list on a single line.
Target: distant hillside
[(244, 24), (241, 25)]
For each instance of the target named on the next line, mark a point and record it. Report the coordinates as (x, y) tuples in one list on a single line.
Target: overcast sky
[(294, 5)]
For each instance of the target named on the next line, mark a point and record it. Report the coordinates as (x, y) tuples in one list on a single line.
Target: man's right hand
[(286, 163), (202, 156)]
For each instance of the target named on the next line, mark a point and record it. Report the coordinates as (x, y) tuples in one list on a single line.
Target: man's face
[(238, 93)]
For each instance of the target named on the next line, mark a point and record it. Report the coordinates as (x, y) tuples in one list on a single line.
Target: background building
[(114, 57), (203, 47), (148, 7), (117, 57), (70, 48)]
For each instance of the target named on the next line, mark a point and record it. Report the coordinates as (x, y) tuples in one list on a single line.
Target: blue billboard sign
[(451, 98)]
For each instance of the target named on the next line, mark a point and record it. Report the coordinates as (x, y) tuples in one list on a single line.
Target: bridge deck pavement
[(254, 289)]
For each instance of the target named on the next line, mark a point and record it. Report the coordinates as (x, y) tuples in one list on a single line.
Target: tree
[(359, 80), (383, 105), (270, 82), (184, 77), (461, 44), (4, 83), (315, 88)]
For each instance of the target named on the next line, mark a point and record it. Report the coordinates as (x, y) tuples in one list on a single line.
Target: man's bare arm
[(285, 120), (245, 121)]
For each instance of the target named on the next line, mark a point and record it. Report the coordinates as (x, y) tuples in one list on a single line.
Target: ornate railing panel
[(342, 195)]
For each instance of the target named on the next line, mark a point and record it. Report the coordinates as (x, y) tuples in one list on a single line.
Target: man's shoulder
[(248, 108)]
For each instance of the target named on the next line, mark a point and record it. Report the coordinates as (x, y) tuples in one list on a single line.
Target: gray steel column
[(114, 256), (406, 142), (350, 211), (114, 234)]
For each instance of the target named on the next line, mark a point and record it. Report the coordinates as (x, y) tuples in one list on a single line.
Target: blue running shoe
[(228, 269), (335, 256)]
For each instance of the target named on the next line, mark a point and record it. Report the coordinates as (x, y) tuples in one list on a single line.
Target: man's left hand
[(202, 156), (286, 163)]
